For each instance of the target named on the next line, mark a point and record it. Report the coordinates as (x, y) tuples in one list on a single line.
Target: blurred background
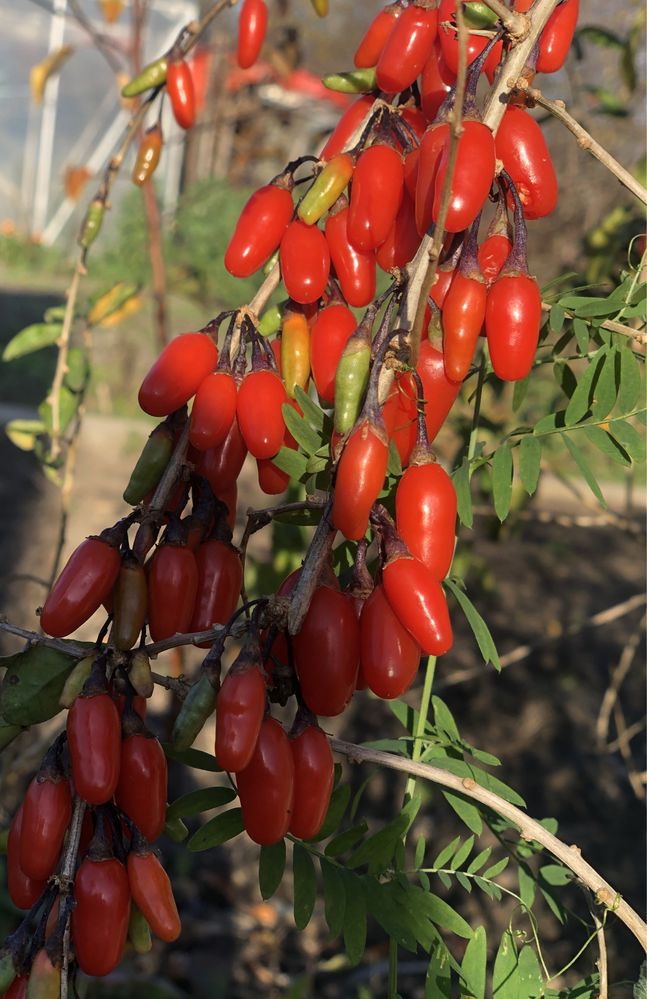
[(561, 584)]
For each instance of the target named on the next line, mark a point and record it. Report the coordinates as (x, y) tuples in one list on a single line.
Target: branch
[(66, 881), (586, 141), (516, 25), (105, 45), (54, 397), (529, 829), (608, 324)]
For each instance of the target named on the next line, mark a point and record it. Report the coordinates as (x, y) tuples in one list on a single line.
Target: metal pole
[(48, 124)]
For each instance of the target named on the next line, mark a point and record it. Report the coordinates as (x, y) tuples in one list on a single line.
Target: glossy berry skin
[(355, 269), (259, 230), (346, 126), (152, 893), (439, 391), (360, 477), (403, 240), (463, 315), (252, 26), (129, 604), (378, 185), (556, 38), (85, 582), (418, 601), (143, 784), (179, 86), (47, 810), (475, 44), (213, 410), (431, 149), (239, 715), (370, 48), (305, 262), (172, 590), (400, 415), (326, 189), (326, 652), (94, 743), (330, 333), (313, 781), (435, 83), (512, 322), (177, 373), (294, 354), (266, 786), (407, 49), (472, 178), (444, 278), (492, 255), (100, 916), (23, 890), (260, 398), (521, 147), (221, 465), (389, 654), (425, 514), (220, 577)]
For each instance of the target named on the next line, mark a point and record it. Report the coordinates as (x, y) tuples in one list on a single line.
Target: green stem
[(393, 969), (471, 449), (419, 727)]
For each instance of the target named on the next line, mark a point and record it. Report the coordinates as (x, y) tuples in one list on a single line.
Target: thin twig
[(617, 679), (529, 828), (607, 324), (601, 962), (318, 551), (586, 141), (105, 45), (63, 343), (66, 881)]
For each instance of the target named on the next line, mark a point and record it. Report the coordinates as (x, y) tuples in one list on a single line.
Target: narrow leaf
[(199, 801), (502, 481), (346, 840), (334, 896), (31, 338), (193, 758), (480, 629), (338, 805), (606, 387), (608, 445), (473, 966), (444, 719), (461, 479), (529, 462), (305, 886), (438, 982), (218, 830), (292, 462), (354, 918), (504, 978), (301, 430), (630, 381), (313, 414), (479, 860), (271, 866), (466, 811), (462, 854), (582, 464), (496, 869), (447, 852), (632, 442), (443, 915), (582, 398)]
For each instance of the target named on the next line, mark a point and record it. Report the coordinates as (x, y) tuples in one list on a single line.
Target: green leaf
[(447, 852), (502, 481), (589, 308), (479, 860), (606, 389), (479, 628), (421, 846), (334, 896), (271, 866), (193, 758), (354, 927), (529, 463), (444, 719), (550, 423), (346, 840), (305, 886), (610, 102), (582, 398), (504, 977), (464, 881), (438, 982), (466, 811), (338, 805), (461, 478), (462, 854), (78, 370), (31, 338), (394, 464), (473, 966), (606, 443), (304, 435), (68, 404), (630, 381), (33, 684), (385, 904), (587, 474), (519, 393), (581, 333), (527, 885), (632, 442), (218, 830), (292, 462), (443, 915), (555, 874), (299, 518), (195, 802), (23, 433), (313, 414), (600, 36), (496, 869), (640, 988), (377, 851), (529, 974)]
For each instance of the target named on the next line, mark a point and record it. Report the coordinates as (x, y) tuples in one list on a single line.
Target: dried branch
[(66, 881), (586, 141), (601, 962), (63, 343), (607, 324), (529, 829), (103, 43), (618, 677), (515, 24)]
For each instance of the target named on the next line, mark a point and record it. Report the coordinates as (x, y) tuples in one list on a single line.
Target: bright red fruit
[(266, 786), (179, 86), (260, 398), (407, 48), (436, 82), (403, 240), (346, 127), (172, 589), (370, 48), (152, 893), (47, 810), (259, 230), (143, 784), (94, 743), (330, 333), (177, 373), (239, 713), (360, 477), (417, 599), (326, 652), (220, 577), (399, 413), (492, 255), (425, 513), (23, 890), (431, 148), (355, 269), (463, 315), (313, 781), (439, 392), (305, 262), (512, 322), (521, 147), (100, 916), (221, 465), (472, 177), (213, 410), (378, 184), (389, 654), (252, 26), (85, 582), (556, 38)]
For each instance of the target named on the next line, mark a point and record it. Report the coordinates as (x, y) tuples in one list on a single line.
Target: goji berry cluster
[(378, 188)]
